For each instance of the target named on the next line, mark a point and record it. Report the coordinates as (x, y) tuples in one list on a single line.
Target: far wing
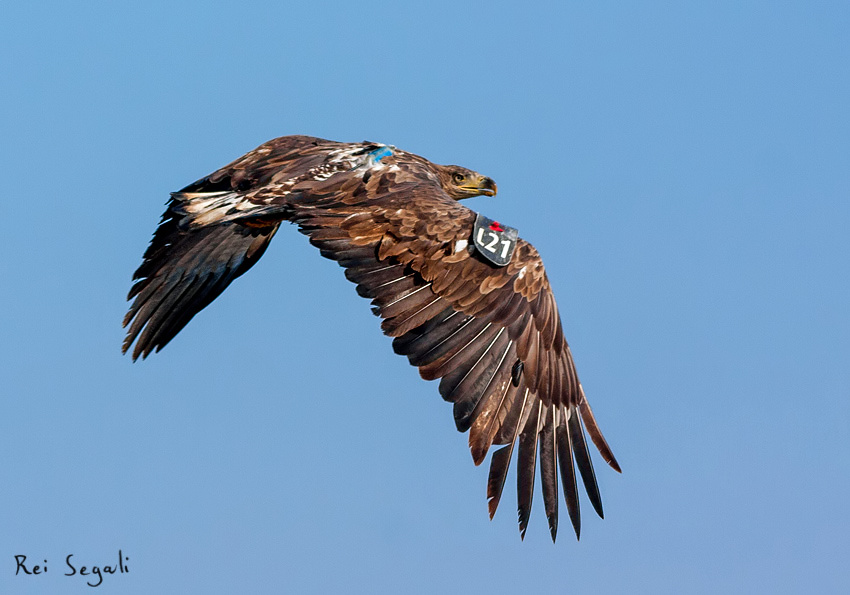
[(183, 271), (213, 231)]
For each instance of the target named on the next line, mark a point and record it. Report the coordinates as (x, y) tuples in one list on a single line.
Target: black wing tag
[(494, 241)]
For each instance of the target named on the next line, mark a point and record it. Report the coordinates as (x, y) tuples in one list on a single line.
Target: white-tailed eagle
[(463, 297)]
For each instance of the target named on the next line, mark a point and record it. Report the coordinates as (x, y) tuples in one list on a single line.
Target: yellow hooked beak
[(481, 185)]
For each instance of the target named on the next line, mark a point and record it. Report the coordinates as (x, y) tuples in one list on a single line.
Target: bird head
[(460, 183)]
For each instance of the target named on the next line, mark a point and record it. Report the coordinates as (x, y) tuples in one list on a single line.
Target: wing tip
[(492, 505), (125, 346), (553, 526), (478, 447), (596, 434)]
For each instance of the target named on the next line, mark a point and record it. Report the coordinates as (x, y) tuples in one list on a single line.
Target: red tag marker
[(496, 226)]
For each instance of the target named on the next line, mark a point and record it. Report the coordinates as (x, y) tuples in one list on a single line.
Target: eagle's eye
[(458, 178)]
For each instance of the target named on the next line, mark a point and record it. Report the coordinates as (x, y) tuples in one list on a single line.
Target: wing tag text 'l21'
[(494, 241)]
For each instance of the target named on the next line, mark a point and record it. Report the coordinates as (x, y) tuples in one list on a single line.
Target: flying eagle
[(463, 297)]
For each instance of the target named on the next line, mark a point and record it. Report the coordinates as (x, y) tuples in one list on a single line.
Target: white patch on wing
[(460, 245), (522, 272), (323, 175), (350, 158), (203, 208)]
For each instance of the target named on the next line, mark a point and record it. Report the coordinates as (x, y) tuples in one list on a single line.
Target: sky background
[(684, 170)]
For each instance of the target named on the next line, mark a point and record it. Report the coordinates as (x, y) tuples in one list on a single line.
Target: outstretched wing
[(491, 334)]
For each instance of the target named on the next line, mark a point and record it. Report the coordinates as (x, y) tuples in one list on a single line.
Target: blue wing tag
[(494, 241)]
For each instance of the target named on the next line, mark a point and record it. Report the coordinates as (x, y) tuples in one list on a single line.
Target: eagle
[(463, 297)]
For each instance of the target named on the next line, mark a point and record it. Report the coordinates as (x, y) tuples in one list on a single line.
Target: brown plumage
[(491, 334)]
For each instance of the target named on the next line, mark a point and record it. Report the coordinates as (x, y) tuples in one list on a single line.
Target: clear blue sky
[(683, 168)]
